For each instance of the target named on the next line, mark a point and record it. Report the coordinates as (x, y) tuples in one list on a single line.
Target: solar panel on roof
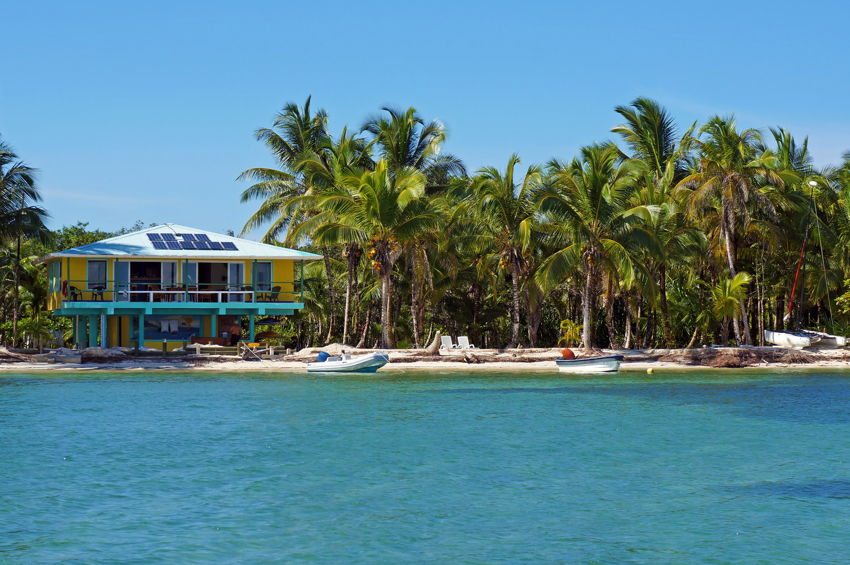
[(187, 244), (168, 237), (201, 245), (214, 245), (229, 245), (154, 237), (201, 237), (173, 244), (187, 236), (159, 245)]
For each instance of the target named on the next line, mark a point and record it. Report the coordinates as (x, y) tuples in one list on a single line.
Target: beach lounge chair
[(446, 342), (463, 342)]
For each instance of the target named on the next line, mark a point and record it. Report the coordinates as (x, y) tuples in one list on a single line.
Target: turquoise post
[(251, 328), (140, 341), (92, 331), (214, 325)]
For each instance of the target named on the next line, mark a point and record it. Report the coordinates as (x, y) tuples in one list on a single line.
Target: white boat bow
[(346, 363)]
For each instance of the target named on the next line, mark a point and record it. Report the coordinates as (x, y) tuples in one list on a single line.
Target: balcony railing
[(112, 291)]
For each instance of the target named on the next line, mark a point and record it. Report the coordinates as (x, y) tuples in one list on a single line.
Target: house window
[(169, 274), (96, 275), (263, 276)]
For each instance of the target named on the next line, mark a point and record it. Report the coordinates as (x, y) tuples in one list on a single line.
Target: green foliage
[(570, 333)]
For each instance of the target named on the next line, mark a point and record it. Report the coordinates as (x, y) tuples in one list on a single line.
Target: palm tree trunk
[(352, 257), (15, 295), (666, 323), (331, 293), (348, 285), (415, 292), (414, 318), (476, 310), (364, 335), (609, 315), (535, 313), (386, 309), (514, 309), (742, 331), (693, 338), (587, 297)]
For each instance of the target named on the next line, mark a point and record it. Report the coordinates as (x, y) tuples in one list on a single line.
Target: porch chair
[(273, 295)]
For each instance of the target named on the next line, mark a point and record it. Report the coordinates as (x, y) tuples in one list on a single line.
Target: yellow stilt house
[(172, 284)]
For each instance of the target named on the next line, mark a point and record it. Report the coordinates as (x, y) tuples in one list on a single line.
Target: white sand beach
[(477, 361)]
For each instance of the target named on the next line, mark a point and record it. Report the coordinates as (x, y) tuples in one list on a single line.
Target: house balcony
[(81, 297)]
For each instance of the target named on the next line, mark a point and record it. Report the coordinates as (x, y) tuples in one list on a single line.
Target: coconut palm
[(729, 294), (295, 136), (732, 172), (650, 134), (385, 213), (506, 210), (586, 210), (324, 170), (20, 216), (296, 133), (405, 141)]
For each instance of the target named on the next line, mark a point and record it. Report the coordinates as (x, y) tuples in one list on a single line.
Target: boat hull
[(368, 363), (827, 340), (794, 340), (607, 364)]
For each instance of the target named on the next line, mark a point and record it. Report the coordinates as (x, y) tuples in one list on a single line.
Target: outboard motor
[(323, 356)]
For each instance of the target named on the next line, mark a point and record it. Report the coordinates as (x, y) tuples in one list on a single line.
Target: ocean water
[(696, 467)]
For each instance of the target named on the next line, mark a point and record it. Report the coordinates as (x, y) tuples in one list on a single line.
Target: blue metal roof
[(144, 243)]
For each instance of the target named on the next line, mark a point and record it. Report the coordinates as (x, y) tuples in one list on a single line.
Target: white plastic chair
[(463, 342), (446, 342)]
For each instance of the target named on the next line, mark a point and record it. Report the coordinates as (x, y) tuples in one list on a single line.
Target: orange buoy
[(567, 353)]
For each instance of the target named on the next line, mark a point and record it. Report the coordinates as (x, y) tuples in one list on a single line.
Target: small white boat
[(345, 363), (794, 340), (827, 340), (606, 364)]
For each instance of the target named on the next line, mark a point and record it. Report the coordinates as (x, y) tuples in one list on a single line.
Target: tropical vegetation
[(661, 235)]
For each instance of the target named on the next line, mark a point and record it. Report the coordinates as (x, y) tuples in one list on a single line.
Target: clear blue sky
[(146, 111)]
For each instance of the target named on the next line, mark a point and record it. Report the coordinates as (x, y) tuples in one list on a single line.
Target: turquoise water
[(138, 467)]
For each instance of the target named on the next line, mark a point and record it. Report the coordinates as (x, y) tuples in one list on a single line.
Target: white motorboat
[(606, 364), (794, 340), (346, 363), (827, 340)]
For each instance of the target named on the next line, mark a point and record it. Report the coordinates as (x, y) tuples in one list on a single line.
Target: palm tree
[(729, 179), (405, 141), (650, 133), (586, 210), (349, 155), (507, 213), (384, 212), (728, 296), (20, 217), (295, 136)]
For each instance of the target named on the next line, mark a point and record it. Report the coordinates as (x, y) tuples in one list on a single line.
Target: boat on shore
[(827, 340), (794, 340), (605, 364), (346, 363)]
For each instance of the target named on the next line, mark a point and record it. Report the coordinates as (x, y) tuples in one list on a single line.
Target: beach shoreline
[(473, 361)]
